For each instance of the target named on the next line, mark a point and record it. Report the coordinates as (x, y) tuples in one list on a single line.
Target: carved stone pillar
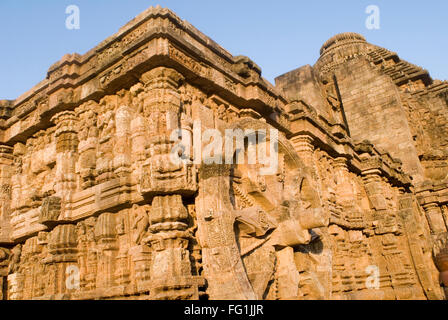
[(67, 153), (344, 188), (88, 140), (171, 269), (435, 218), (106, 124), (372, 183), (167, 181), (88, 254), (6, 160), (106, 237), (304, 146), (122, 150), (141, 259), (62, 246), (385, 219), (162, 105), (346, 194), (138, 142), (341, 169), (122, 273), (17, 176), (429, 200)]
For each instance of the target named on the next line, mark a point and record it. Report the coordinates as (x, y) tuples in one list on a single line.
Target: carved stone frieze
[(104, 194)]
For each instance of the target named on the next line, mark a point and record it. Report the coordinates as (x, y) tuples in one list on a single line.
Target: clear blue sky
[(278, 35)]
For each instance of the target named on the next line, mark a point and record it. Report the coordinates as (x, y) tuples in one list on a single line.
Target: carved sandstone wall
[(89, 191)]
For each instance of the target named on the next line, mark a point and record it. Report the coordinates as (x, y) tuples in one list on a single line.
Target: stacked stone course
[(358, 208)]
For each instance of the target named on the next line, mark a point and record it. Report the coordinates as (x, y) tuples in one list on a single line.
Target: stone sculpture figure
[(141, 223)]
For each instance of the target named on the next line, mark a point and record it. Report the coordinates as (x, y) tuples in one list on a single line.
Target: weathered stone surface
[(93, 207)]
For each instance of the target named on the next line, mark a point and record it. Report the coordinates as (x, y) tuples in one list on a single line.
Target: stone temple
[(93, 207)]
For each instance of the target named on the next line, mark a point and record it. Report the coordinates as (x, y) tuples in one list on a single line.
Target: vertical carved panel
[(67, 153), (122, 151), (171, 267), (6, 171), (88, 139), (162, 106), (106, 236)]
